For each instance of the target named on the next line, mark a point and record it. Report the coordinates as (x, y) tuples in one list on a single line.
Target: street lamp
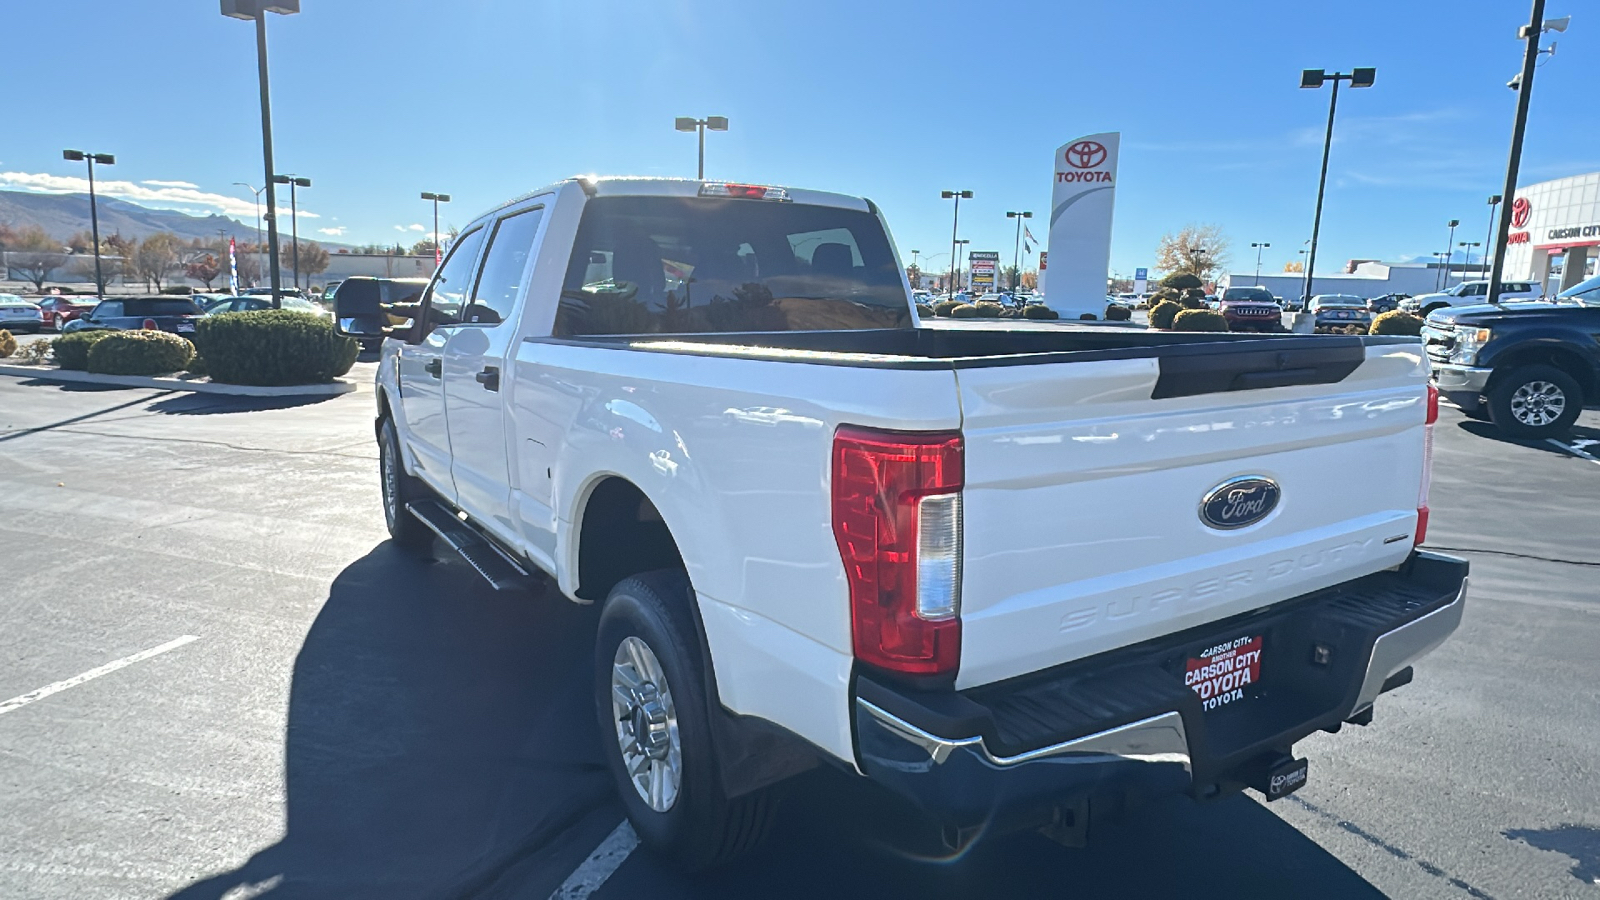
[(104, 159), (1449, 239), (1537, 26), (438, 249), (1259, 247), (1016, 252), (955, 223), (257, 10), (1314, 78), (1194, 260), (260, 263), (689, 123), (961, 245), (1488, 239), (293, 181), (1467, 255)]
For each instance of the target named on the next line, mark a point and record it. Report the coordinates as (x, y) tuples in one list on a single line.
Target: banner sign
[(1082, 201), (233, 268), (982, 266)]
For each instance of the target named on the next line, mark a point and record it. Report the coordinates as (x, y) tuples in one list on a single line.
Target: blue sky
[(484, 99)]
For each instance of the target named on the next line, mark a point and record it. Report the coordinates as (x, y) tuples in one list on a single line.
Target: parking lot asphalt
[(240, 689)]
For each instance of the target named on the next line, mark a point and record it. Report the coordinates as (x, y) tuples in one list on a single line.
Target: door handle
[(433, 367), (489, 378)]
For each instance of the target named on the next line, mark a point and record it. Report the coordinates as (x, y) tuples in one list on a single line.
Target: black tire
[(398, 488), (1522, 402), (700, 827)]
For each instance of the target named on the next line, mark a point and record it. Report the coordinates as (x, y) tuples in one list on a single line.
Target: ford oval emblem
[(1238, 502)]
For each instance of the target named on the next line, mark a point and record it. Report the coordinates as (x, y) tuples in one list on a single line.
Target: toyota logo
[(1520, 211), (1086, 154)]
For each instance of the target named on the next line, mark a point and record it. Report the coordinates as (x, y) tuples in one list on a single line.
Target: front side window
[(501, 278), (448, 294), (686, 265)]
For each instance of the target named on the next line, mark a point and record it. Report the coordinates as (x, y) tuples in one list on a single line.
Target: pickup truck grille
[(1438, 342), (1251, 311)]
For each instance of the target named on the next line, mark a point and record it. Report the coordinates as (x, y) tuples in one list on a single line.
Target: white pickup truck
[(1013, 571)]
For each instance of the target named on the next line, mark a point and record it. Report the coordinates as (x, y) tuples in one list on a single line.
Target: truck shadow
[(1581, 843)]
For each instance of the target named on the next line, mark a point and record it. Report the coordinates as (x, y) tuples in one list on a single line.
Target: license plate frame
[(1226, 671), (185, 326)]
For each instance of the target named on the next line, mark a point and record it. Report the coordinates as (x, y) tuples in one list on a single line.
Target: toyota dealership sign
[(1083, 198)]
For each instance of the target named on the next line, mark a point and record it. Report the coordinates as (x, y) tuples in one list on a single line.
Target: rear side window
[(109, 309), (161, 307), (501, 278), (686, 265)]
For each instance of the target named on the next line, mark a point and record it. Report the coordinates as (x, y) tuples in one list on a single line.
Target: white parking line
[(1576, 449), (18, 702), (601, 863)]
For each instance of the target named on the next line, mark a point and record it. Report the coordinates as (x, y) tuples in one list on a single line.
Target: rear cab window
[(687, 265)]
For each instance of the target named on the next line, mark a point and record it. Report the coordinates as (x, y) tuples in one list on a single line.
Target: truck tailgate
[(1085, 482)]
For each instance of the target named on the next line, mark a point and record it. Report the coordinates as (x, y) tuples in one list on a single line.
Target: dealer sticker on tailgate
[(1221, 673)]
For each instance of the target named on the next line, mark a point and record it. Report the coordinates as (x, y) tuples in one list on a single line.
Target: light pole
[(1195, 253), (955, 223), (257, 191), (1523, 85), (1449, 254), (1488, 239), (257, 10), (1314, 78), (104, 159), (1259, 247), (1016, 252), (689, 123), (438, 248), (1467, 254), (961, 245), (294, 181)]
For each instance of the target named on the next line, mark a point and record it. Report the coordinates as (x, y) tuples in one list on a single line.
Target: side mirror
[(358, 310)]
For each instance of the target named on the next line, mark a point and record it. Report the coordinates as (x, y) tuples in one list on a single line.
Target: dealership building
[(1555, 232)]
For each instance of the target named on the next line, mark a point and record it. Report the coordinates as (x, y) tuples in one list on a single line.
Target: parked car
[(253, 303), (1339, 311), (20, 316), (328, 291), (1385, 303), (282, 292), (1251, 309), (177, 315), (58, 310), (208, 300), (1470, 293), (1529, 367), (1005, 634)]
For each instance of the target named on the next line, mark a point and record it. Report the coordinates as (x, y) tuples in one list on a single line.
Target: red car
[(58, 311)]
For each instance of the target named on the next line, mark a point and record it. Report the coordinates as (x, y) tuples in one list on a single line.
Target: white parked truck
[(1014, 571)]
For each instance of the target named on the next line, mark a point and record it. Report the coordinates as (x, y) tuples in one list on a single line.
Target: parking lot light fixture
[(104, 159), (1488, 239), (294, 181), (689, 123), (955, 225), (1016, 249), (1259, 245), (257, 10), (1316, 78), (438, 248), (1466, 254), (1449, 258)]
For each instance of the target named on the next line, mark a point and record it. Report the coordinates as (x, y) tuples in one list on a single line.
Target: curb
[(178, 384)]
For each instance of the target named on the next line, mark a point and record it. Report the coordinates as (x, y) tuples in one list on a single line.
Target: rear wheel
[(1535, 402), (398, 488), (654, 716)]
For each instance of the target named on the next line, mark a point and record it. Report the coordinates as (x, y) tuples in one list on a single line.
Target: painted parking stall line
[(600, 865), (1577, 448), (16, 703)]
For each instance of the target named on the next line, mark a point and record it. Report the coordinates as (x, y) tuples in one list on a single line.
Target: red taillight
[(1427, 465), (897, 520), (149, 325)]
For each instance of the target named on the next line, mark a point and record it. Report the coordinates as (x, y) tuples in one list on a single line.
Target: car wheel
[(1535, 402), (407, 531), (654, 718)]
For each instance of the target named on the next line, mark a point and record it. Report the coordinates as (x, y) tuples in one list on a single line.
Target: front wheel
[(1535, 401), (654, 718), (398, 488)]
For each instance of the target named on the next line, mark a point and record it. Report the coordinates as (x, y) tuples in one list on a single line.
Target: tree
[(82, 242), (1201, 250), (1295, 267), (247, 257), (204, 268), (1030, 280), (1008, 277), (424, 247), (34, 253), (914, 275), (157, 257), (313, 259)]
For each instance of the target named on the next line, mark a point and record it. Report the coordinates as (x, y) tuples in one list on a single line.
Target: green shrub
[(8, 343), (1116, 313), (72, 350), (989, 310), (925, 311), (197, 366), (1199, 320), (946, 307), (140, 352), (1162, 313), (1182, 281), (273, 347), (964, 311), (1396, 322), (1040, 313)]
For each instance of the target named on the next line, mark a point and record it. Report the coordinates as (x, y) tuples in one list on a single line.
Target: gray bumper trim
[(1466, 379), (1394, 650)]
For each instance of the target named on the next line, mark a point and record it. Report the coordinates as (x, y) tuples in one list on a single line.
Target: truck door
[(475, 371), (421, 365)]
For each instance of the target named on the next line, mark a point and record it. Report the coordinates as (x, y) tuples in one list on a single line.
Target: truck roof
[(644, 186)]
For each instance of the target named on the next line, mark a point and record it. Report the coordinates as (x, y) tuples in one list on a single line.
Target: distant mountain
[(63, 215)]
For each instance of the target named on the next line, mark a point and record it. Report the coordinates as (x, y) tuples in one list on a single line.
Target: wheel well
[(383, 411), (1431, 307), (1566, 360), (622, 534)]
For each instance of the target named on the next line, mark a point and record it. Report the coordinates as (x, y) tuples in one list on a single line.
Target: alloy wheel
[(1538, 403), (647, 724)]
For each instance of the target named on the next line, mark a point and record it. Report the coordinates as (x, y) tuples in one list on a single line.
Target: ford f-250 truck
[(1016, 572)]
